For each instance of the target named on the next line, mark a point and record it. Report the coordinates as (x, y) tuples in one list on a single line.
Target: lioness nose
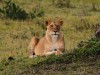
[(55, 30)]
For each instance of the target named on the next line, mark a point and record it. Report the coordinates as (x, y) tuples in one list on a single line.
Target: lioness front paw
[(31, 56), (58, 53)]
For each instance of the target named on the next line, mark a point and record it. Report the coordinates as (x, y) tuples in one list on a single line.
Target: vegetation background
[(20, 20)]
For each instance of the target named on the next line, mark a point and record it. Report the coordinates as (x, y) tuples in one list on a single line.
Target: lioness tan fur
[(46, 46)]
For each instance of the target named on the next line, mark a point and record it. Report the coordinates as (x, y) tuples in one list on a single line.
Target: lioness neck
[(53, 38)]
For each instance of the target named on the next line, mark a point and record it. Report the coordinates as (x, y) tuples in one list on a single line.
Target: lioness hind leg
[(31, 46)]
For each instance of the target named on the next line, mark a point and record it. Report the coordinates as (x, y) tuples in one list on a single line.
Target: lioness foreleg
[(31, 46)]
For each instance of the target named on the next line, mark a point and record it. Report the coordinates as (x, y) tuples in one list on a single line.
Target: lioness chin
[(51, 43)]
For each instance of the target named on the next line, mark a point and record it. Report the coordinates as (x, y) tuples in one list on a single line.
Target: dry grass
[(79, 25)]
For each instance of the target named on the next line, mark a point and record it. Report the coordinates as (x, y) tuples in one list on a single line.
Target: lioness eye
[(51, 25)]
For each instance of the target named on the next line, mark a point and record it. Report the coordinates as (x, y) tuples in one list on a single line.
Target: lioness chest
[(44, 46), (50, 46)]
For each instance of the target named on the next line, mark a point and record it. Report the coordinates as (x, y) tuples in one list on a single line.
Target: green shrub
[(36, 12), (89, 48), (62, 3), (13, 11)]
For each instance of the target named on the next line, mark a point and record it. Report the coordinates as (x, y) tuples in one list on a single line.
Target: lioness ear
[(47, 22), (60, 22)]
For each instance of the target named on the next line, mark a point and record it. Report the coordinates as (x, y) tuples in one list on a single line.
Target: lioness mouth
[(55, 33)]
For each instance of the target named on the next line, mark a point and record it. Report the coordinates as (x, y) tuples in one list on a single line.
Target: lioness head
[(53, 27)]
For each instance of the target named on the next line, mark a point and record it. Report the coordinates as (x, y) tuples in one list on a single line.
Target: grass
[(15, 37), (62, 65), (79, 25)]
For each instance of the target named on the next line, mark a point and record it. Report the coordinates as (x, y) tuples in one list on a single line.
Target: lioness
[(51, 43)]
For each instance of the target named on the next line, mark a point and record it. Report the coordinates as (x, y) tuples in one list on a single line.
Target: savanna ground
[(80, 19)]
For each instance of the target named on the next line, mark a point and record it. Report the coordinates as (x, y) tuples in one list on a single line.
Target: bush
[(89, 48), (13, 11), (63, 3), (36, 12)]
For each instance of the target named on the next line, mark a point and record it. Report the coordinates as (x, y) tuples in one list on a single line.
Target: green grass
[(62, 65), (81, 61), (79, 25)]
